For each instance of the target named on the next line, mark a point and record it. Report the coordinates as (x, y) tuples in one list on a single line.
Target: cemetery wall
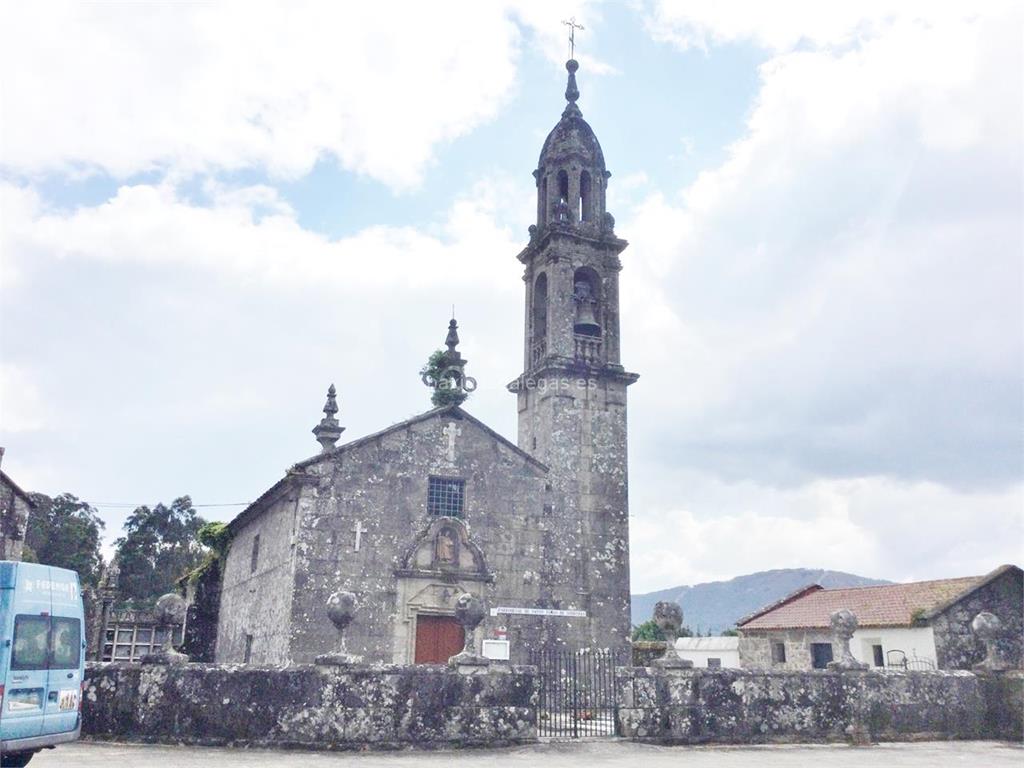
[(386, 707), (742, 707), (308, 706)]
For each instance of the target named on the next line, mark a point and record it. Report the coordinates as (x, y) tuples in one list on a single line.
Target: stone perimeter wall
[(742, 707), (434, 706), (307, 706)]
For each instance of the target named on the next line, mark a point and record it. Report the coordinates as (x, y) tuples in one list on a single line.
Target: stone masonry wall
[(957, 647), (307, 706), (386, 707), (382, 485), (738, 706)]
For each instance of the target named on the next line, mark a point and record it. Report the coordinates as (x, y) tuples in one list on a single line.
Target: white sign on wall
[(537, 612)]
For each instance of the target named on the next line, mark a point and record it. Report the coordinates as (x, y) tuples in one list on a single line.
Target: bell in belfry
[(586, 323)]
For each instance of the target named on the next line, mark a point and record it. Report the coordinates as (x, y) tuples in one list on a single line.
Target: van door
[(26, 684), (64, 682)]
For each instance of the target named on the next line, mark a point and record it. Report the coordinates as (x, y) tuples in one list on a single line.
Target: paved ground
[(581, 755)]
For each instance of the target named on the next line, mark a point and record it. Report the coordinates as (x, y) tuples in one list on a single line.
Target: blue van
[(42, 659)]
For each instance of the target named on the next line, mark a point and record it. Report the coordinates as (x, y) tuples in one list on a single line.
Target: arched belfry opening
[(586, 294), (539, 317), (586, 198)]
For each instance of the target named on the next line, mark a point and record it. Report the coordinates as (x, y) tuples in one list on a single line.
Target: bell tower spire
[(572, 392)]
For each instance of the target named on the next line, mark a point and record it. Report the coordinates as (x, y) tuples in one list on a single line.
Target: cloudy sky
[(210, 212)]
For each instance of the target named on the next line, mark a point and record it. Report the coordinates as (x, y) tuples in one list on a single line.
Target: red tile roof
[(888, 605)]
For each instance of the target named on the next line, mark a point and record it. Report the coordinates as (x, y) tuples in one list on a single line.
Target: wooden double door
[(438, 638)]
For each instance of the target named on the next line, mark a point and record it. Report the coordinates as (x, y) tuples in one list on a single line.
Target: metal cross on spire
[(573, 26)]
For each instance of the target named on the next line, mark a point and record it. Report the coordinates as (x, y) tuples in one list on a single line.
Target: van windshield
[(30, 646)]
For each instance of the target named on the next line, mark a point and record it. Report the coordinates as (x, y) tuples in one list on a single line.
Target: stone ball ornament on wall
[(668, 616), (170, 613), (844, 623), (470, 610), (341, 610), (988, 627)]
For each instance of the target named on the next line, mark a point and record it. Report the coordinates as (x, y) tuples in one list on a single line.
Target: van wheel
[(15, 760)]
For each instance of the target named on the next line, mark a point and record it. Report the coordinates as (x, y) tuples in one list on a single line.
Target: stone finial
[(445, 372), (341, 609), (844, 624), (668, 616), (988, 628), (169, 613), (572, 93), (469, 612), (329, 430), (452, 340)]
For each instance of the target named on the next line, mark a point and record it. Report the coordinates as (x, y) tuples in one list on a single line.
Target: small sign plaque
[(537, 612)]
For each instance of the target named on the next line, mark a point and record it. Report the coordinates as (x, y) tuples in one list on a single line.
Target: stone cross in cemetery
[(844, 624)]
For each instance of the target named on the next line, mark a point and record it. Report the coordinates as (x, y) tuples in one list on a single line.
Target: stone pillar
[(469, 611), (844, 624), (341, 609), (988, 627), (669, 618), (170, 612)]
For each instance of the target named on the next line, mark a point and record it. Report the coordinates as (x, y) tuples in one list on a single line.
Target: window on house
[(778, 653), (879, 659), (254, 561), (248, 649), (821, 655), (445, 496), (714, 663)]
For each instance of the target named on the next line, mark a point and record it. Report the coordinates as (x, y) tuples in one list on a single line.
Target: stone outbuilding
[(918, 625), (15, 507), (411, 517)]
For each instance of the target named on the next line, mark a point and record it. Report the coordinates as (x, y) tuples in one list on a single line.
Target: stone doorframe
[(431, 577)]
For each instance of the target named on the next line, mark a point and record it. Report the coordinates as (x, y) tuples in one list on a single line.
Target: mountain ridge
[(715, 606)]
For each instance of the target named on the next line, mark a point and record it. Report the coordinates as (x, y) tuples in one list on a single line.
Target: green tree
[(650, 631), (65, 531), (159, 546), (731, 632), (446, 380)]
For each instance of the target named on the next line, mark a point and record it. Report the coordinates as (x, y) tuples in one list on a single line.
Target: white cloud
[(21, 407), (787, 24), (841, 297), (197, 87), (871, 526), (251, 233)]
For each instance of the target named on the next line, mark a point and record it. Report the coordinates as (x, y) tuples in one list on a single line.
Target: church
[(412, 516)]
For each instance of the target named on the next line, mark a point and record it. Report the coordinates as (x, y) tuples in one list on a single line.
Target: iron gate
[(577, 692)]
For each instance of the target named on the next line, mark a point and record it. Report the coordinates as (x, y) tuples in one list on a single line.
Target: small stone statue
[(341, 609), (844, 624), (669, 618), (469, 612), (988, 627), (170, 613)]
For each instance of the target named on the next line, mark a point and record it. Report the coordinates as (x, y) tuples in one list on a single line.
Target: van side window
[(65, 643), (30, 646)]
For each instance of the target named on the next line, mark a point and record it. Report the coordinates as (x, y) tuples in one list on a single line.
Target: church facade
[(411, 517)]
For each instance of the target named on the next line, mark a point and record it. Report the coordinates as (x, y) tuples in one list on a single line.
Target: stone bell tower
[(572, 393)]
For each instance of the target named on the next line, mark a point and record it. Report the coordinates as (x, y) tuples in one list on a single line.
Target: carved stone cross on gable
[(451, 432), (358, 530)]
